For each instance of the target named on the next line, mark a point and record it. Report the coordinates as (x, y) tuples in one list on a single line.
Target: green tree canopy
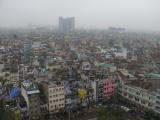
[(111, 114)]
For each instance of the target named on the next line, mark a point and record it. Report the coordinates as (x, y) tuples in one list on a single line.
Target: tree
[(111, 114), (149, 114), (102, 114), (3, 80)]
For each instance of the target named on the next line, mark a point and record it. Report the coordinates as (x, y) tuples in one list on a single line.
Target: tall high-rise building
[(66, 24)]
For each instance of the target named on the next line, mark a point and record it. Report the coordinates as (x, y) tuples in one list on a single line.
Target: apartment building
[(55, 94), (143, 93), (103, 89), (138, 96), (30, 92)]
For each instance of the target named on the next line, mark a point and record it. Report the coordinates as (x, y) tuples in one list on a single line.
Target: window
[(149, 104), (30, 101), (157, 102), (125, 94), (125, 88), (137, 93), (35, 100), (157, 107), (143, 102), (158, 97), (50, 101), (130, 96), (35, 106), (62, 99), (136, 99)]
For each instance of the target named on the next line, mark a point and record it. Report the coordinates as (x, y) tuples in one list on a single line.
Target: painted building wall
[(103, 89), (108, 88)]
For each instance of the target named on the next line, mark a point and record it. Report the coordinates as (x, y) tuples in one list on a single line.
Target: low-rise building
[(138, 96), (143, 93)]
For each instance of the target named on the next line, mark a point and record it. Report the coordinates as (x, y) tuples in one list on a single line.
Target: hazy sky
[(131, 14)]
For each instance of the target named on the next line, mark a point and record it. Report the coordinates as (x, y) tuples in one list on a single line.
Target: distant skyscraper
[(66, 24)]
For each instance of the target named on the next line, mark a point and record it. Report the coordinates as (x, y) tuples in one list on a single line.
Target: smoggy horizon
[(89, 14)]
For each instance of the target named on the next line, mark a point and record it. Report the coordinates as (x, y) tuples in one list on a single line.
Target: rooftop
[(152, 75), (53, 83), (125, 72), (30, 87), (142, 89)]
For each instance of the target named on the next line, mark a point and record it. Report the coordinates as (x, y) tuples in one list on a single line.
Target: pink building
[(108, 88)]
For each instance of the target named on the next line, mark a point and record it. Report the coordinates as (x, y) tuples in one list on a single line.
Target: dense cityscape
[(75, 74)]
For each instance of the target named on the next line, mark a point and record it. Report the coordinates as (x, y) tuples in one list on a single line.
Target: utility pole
[(69, 114), (69, 110)]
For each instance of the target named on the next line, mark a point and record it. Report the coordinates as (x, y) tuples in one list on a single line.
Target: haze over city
[(130, 14), (79, 60)]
